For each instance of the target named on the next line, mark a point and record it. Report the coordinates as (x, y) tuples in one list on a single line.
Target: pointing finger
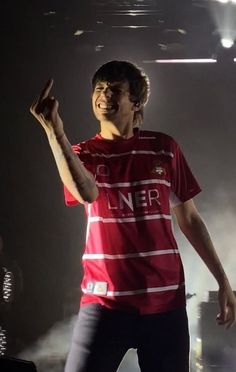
[(36, 106), (46, 90)]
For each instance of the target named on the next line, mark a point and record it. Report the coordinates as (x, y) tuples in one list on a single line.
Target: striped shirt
[(131, 260)]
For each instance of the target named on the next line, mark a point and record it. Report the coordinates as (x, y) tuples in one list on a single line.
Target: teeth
[(105, 106)]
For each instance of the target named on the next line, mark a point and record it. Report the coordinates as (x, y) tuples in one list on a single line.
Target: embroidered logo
[(158, 169)]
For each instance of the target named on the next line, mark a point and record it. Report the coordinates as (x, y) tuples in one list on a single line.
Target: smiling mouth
[(105, 106)]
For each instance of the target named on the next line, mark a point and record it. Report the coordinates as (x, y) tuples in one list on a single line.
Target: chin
[(105, 117)]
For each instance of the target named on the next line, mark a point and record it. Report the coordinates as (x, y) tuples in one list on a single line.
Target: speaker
[(8, 364)]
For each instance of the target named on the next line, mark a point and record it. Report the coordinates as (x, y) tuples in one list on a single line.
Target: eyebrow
[(112, 84)]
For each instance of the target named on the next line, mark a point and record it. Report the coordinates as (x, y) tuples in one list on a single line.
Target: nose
[(107, 92)]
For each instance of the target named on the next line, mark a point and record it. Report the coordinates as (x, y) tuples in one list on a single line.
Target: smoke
[(49, 352), (220, 218)]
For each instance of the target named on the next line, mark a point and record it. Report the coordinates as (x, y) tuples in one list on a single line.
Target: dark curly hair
[(139, 86)]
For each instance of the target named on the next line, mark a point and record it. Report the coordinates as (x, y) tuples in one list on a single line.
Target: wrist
[(59, 136), (223, 281), (54, 135)]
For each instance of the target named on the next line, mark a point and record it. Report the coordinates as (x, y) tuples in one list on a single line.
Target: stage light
[(195, 60), (226, 1), (78, 32), (227, 42)]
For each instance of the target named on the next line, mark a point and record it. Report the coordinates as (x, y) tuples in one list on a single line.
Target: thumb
[(52, 109), (55, 106)]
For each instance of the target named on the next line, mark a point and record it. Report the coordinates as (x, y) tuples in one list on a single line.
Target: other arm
[(193, 227), (78, 180)]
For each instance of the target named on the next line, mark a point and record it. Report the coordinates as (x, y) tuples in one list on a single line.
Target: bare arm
[(78, 180), (193, 227)]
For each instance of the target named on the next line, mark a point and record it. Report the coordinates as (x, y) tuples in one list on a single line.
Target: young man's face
[(111, 102)]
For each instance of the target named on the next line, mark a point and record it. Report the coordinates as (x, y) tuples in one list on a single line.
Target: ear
[(137, 106)]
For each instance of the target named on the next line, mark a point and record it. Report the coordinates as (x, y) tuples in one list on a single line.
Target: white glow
[(131, 26), (226, 1), (132, 13), (227, 43), (183, 32), (234, 59), (78, 32), (198, 60)]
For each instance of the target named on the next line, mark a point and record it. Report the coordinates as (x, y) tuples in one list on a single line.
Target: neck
[(111, 131)]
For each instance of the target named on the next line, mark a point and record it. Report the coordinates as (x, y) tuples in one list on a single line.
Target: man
[(128, 179)]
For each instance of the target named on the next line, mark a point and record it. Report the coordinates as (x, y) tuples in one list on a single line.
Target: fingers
[(55, 106), (227, 317), (227, 303), (50, 108), (223, 306), (44, 101), (221, 318), (46, 90), (45, 110), (231, 316)]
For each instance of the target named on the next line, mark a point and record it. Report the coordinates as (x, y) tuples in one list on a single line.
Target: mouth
[(106, 106)]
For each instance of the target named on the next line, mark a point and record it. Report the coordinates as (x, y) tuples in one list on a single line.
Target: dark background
[(193, 102)]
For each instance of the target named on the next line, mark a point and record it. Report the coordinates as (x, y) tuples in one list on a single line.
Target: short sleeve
[(184, 185), (70, 200)]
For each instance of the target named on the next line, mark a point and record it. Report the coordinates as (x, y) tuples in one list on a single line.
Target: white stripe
[(141, 291), (163, 152), (133, 152), (136, 183), (101, 256), (129, 219)]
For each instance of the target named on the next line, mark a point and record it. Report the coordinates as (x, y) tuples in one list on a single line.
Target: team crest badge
[(158, 169)]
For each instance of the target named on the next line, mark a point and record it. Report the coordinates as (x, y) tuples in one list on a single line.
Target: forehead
[(119, 84)]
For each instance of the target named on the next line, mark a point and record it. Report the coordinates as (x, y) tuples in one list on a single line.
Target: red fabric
[(136, 179)]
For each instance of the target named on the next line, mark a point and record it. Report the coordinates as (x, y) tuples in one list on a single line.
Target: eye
[(116, 90)]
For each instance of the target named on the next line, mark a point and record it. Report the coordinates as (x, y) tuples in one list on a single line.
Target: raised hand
[(45, 110)]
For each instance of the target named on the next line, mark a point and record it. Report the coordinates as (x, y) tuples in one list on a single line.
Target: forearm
[(196, 232), (78, 180), (193, 227)]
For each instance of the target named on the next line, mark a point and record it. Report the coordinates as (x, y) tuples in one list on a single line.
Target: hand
[(45, 110), (227, 303)]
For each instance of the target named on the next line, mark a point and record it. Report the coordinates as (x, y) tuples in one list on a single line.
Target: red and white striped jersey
[(131, 260)]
